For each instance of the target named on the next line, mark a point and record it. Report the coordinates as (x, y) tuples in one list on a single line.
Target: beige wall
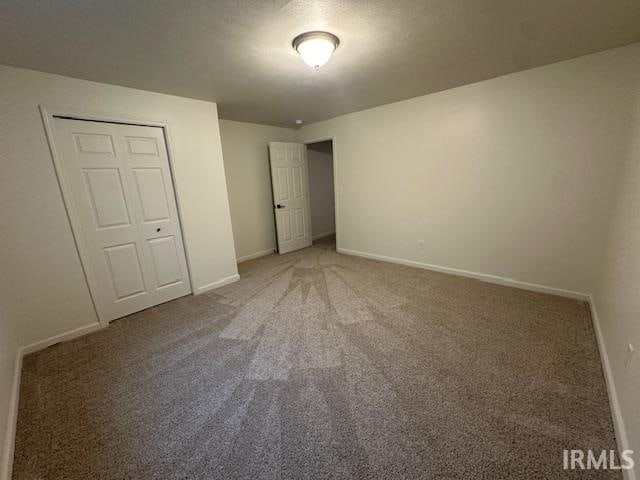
[(246, 161), (42, 284), (512, 177), (617, 295), (321, 192)]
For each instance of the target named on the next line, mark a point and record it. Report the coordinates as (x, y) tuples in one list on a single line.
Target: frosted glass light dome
[(316, 48)]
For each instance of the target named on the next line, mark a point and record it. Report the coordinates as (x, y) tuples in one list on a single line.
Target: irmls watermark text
[(597, 460)]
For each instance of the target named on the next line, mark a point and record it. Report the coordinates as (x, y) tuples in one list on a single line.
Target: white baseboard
[(322, 235), (262, 253), (509, 282), (616, 413), (63, 337), (7, 455), (12, 420), (218, 284)]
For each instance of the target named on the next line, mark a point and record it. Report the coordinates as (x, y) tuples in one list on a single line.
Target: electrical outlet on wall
[(420, 244), (629, 355)]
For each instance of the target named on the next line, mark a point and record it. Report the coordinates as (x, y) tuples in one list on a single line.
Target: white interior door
[(123, 200), (290, 186)]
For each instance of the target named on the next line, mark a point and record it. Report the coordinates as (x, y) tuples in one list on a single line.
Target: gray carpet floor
[(321, 365)]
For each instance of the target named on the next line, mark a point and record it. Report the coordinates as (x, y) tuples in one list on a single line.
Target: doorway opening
[(322, 194), (302, 188)]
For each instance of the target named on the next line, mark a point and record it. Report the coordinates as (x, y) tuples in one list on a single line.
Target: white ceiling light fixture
[(316, 48)]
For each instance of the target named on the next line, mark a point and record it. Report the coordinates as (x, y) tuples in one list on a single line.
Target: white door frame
[(48, 112), (337, 191)]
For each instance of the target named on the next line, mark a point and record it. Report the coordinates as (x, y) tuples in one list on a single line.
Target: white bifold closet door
[(124, 206), (290, 187)]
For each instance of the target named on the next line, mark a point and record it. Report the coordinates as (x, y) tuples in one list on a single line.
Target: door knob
[(280, 206), (158, 229)]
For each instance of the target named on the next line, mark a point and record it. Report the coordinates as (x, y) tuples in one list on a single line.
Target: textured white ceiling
[(238, 53)]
